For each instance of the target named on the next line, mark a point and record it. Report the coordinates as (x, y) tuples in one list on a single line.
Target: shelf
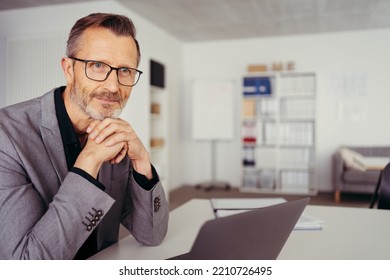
[(256, 145), (296, 146), (156, 149), (260, 118), (289, 181), (156, 117), (159, 133), (257, 97), (297, 119), (281, 126)]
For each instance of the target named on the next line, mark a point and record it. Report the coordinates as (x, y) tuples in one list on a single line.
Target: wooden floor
[(183, 194)]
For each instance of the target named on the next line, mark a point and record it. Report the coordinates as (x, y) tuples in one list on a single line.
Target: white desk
[(349, 233), (184, 224)]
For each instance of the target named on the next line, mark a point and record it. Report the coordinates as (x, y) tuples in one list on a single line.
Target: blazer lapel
[(51, 135)]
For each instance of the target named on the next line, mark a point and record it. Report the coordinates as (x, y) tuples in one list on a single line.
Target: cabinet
[(278, 133), (159, 133)]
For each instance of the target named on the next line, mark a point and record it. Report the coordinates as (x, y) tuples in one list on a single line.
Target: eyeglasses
[(99, 71)]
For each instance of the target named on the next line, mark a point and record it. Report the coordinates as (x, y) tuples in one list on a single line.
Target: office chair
[(382, 190)]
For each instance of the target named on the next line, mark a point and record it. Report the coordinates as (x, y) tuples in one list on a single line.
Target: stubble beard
[(83, 101)]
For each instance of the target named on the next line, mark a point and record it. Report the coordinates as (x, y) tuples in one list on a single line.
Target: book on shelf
[(295, 181), (302, 108), (296, 133), (249, 156), (297, 85), (250, 178), (248, 108), (296, 157), (266, 107), (257, 86), (249, 132), (270, 133)]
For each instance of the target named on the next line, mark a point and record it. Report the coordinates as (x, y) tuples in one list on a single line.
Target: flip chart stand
[(213, 184), (213, 119)]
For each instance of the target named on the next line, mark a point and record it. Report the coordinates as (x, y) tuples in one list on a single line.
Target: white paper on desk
[(308, 222), (225, 207), (243, 203)]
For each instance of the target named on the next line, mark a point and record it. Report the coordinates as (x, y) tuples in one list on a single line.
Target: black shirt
[(72, 148)]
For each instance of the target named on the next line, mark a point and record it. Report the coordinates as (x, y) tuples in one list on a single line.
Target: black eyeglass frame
[(109, 72)]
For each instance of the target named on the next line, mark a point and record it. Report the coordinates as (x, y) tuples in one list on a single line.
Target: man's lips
[(107, 100)]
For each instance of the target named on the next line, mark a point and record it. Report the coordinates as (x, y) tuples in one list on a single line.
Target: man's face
[(106, 99)]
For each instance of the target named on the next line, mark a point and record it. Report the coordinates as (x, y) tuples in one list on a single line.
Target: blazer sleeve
[(33, 229), (146, 213)]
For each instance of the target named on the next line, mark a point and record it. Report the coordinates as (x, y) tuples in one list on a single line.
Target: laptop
[(258, 234)]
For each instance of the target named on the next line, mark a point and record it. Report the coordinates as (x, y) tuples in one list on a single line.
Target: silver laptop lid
[(253, 235)]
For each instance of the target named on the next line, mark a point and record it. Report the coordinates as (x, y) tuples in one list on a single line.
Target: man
[(70, 170)]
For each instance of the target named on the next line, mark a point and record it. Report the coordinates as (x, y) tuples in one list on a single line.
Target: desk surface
[(349, 233), (184, 224)]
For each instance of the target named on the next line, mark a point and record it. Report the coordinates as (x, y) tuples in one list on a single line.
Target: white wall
[(333, 57), (58, 19)]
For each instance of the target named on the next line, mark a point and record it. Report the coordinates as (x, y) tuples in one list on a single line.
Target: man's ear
[(67, 67)]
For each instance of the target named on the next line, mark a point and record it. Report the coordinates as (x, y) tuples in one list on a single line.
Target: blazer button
[(91, 222), (88, 227), (98, 212), (157, 204)]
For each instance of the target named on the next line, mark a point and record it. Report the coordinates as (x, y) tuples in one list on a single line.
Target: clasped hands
[(111, 140)]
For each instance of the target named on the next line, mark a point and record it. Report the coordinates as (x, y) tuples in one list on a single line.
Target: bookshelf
[(278, 128), (159, 122), (159, 133)]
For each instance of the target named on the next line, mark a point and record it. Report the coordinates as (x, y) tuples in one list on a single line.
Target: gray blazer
[(47, 212)]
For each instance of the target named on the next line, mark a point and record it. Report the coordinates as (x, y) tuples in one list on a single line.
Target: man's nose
[(112, 83)]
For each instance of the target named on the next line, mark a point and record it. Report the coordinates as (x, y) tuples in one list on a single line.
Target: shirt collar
[(68, 133)]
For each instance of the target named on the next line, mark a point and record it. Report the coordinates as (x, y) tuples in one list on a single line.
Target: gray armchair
[(351, 180)]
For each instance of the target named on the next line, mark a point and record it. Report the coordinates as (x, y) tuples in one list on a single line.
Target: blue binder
[(257, 86)]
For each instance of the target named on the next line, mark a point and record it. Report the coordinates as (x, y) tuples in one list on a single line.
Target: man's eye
[(97, 65), (125, 71)]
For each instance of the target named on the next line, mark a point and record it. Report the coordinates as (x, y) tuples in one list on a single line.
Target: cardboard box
[(155, 108), (248, 108), (156, 142), (277, 66), (257, 68)]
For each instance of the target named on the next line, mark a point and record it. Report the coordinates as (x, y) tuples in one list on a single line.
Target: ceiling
[(200, 20)]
